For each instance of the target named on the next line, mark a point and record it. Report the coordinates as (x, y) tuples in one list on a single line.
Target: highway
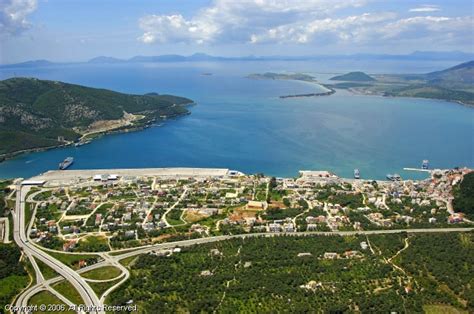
[(87, 294)]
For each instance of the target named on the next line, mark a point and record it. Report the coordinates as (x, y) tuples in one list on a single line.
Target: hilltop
[(458, 75), (453, 84), (282, 76), (38, 113), (353, 77)]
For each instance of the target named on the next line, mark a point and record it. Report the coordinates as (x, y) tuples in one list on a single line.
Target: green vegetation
[(174, 217), (13, 276), (67, 290), (47, 271), (103, 273), (73, 260), (282, 76), (4, 191), (464, 195), (266, 275), (353, 77), (47, 298), (36, 112), (431, 91), (100, 287), (453, 84), (93, 244)]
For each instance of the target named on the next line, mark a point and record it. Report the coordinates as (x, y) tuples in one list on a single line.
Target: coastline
[(362, 93), (93, 136)]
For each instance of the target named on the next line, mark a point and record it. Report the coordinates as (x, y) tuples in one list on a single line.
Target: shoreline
[(361, 93), (96, 135), (328, 93)]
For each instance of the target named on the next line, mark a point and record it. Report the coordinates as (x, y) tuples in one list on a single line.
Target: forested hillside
[(397, 273), (34, 113)]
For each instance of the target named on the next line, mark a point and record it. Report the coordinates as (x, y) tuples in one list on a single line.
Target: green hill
[(34, 113), (282, 76), (459, 75), (353, 77)]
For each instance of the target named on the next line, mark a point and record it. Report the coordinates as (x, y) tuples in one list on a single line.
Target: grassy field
[(100, 287), (47, 271), (47, 298), (103, 273), (72, 260), (67, 290), (93, 244)]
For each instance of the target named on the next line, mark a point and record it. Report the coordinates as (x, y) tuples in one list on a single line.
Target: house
[(68, 246), (274, 227), (311, 227), (98, 219), (331, 255), (352, 254), (455, 218), (289, 227)]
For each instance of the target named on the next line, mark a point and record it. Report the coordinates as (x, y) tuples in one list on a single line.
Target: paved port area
[(75, 175)]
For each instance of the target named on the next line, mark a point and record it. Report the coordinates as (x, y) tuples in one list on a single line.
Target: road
[(87, 294), (80, 284)]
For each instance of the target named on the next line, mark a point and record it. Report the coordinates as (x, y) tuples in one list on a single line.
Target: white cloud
[(13, 15), (427, 8), (302, 22), (234, 19)]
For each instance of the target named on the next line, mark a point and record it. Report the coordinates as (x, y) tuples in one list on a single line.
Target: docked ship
[(425, 164), (66, 163), (394, 177), (356, 174)]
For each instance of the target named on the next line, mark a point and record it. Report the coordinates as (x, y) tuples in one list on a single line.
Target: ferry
[(66, 163), (394, 177), (356, 174), (425, 164)]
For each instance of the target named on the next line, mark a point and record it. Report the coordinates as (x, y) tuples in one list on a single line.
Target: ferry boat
[(356, 174), (66, 163), (394, 177), (425, 164)]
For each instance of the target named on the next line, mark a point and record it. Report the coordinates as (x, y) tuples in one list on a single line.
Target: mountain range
[(202, 57)]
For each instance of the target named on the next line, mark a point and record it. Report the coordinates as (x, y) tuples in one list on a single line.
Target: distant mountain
[(202, 57), (459, 74), (103, 59), (35, 113), (27, 64), (353, 77)]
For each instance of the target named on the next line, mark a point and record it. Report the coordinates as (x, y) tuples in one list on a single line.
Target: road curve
[(87, 294)]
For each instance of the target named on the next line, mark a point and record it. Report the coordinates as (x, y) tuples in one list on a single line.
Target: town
[(106, 210)]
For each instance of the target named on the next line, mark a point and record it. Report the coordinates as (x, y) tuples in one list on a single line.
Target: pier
[(418, 169)]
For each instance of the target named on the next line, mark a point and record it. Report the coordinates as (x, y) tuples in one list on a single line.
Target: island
[(296, 77), (39, 114), (353, 77), (454, 84)]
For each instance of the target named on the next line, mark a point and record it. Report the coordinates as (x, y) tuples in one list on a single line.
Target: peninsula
[(39, 114), (296, 77), (453, 84)]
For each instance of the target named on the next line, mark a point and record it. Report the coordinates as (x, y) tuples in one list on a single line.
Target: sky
[(77, 30)]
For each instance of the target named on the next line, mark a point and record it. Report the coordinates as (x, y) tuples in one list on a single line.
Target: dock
[(418, 169)]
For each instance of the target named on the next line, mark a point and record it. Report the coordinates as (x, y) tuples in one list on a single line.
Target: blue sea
[(242, 124)]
